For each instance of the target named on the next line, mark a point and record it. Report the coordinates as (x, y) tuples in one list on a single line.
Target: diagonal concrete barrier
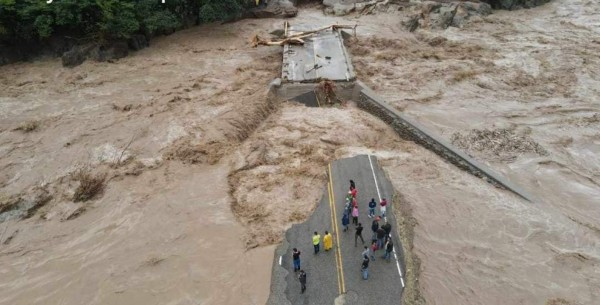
[(410, 130)]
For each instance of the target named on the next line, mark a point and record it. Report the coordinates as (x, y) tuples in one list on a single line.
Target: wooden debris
[(297, 38)]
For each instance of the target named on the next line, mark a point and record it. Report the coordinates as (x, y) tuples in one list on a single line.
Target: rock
[(480, 9), (444, 18), (138, 42), (514, 4), (77, 55), (73, 58), (275, 8), (110, 51), (443, 15), (342, 9), (430, 6), (412, 23), (461, 16)]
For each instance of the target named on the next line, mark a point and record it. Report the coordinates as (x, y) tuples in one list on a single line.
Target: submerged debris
[(503, 144)]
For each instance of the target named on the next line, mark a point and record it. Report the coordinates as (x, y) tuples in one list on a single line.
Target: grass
[(90, 184)]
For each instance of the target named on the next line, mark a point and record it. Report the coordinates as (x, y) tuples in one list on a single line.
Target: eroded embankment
[(406, 226), (279, 171)]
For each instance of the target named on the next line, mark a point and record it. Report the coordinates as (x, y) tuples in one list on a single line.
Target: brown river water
[(192, 217)]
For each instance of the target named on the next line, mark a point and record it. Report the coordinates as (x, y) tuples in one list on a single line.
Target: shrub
[(90, 184)]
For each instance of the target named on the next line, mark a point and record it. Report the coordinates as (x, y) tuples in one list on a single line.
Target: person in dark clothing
[(365, 268), (380, 237), (372, 206), (358, 234), (296, 257), (389, 247), (374, 228), (387, 227), (352, 185), (345, 221), (302, 278)]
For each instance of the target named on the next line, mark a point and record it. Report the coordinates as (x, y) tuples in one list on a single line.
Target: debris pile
[(297, 38), (503, 144)]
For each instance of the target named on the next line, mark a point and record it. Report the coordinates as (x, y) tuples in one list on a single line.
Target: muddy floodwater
[(204, 172)]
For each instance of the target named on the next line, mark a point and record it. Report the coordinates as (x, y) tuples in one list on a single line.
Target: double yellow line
[(338, 254)]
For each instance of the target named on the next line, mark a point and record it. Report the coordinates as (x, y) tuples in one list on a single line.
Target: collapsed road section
[(335, 275), (317, 66)]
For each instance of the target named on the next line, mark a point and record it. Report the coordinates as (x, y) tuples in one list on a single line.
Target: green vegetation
[(30, 21)]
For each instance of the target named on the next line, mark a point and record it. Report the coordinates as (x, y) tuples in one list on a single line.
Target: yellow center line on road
[(339, 262), (334, 231)]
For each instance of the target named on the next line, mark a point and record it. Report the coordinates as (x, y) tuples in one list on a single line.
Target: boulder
[(340, 9), (275, 8), (443, 15), (443, 18), (77, 55), (73, 58), (110, 51)]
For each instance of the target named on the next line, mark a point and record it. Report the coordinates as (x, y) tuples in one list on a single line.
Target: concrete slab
[(322, 56)]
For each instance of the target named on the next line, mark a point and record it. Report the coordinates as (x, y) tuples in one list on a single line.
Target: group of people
[(316, 241), (380, 240)]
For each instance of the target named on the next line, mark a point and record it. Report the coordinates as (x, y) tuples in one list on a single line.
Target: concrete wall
[(412, 131), (289, 91)]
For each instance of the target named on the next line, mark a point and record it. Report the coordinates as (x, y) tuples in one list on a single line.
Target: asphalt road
[(337, 273)]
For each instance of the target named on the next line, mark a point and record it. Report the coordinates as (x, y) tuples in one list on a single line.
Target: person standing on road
[(389, 247), (387, 227), (365, 252), (380, 237), (383, 207), (352, 185), (302, 278), (349, 196), (345, 221), (374, 228), (355, 215), (373, 249), (327, 241), (365, 268), (296, 257), (316, 242), (358, 234), (354, 192), (372, 206)]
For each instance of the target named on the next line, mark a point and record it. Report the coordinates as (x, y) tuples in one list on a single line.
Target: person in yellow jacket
[(327, 241), (316, 242)]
